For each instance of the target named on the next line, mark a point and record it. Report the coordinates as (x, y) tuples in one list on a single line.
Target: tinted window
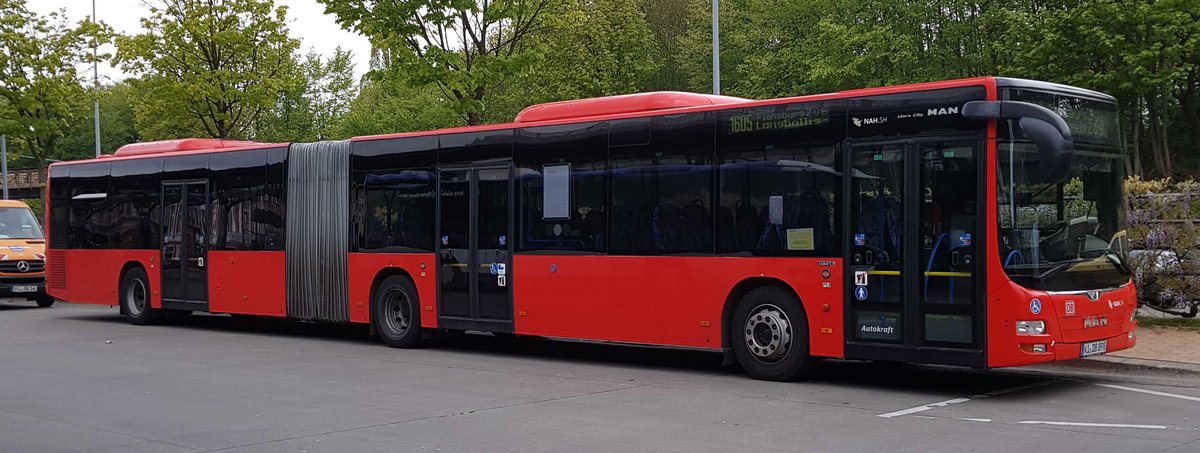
[(59, 214), (191, 166), (662, 190), (91, 222), (393, 192), (780, 180), (271, 215), (577, 219), (241, 217), (134, 203), (913, 113), (476, 147)]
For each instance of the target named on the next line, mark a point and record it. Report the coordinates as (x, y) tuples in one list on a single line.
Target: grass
[(1174, 322)]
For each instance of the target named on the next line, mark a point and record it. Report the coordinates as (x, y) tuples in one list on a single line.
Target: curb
[(1121, 368)]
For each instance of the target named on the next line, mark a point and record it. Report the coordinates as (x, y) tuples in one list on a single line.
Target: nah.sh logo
[(942, 111)]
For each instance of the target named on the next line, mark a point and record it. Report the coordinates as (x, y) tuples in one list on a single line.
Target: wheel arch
[(739, 291), (125, 268), (380, 276)]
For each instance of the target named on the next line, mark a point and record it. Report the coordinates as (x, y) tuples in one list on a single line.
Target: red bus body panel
[(364, 267), (247, 282), (675, 301), (93, 276)]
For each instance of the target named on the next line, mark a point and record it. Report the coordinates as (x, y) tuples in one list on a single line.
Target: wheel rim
[(397, 316), (135, 297), (768, 333)]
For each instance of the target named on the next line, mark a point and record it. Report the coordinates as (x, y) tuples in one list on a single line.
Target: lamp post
[(95, 85), (716, 48)]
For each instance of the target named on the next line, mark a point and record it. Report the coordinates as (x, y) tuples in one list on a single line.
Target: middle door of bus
[(474, 248), (915, 262), (185, 222)]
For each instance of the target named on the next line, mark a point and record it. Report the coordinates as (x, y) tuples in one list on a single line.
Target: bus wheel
[(769, 332), (135, 297), (394, 312), (45, 301)]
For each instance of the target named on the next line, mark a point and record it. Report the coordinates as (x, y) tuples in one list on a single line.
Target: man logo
[(942, 111), (22, 266), (1093, 295)]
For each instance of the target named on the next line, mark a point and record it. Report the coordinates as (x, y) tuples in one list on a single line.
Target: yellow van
[(22, 254)]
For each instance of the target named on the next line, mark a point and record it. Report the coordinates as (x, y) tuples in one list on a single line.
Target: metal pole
[(716, 49), (95, 84), (4, 163)]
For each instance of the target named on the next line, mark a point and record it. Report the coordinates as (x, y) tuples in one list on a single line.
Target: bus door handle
[(870, 257), (954, 258)]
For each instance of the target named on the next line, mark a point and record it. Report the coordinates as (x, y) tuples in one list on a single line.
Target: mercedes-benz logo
[(22, 266)]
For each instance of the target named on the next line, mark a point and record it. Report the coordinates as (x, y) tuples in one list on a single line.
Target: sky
[(307, 21)]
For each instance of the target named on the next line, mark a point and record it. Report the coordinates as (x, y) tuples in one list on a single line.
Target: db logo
[(1070, 308)]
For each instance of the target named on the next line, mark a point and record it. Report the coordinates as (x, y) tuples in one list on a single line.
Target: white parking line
[(925, 407), (1093, 425), (1151, 392)]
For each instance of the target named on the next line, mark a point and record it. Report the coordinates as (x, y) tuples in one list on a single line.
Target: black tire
[(135, 297), (45, 301), (774, 345), (395, 312)]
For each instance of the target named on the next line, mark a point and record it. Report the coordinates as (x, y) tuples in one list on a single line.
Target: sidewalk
[(1160, 347)]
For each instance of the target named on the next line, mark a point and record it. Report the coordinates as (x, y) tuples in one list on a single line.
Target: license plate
[(24, 289), (1094, 348)]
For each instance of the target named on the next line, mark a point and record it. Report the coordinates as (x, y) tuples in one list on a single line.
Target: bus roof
[(600, 109)]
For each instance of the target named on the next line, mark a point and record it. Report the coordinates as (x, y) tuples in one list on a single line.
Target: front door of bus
[(474, 265), (185, 222), (914, 256)]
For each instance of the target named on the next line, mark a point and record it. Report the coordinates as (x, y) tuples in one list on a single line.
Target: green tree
[(308, 109), (388, 106), (208, 66), (464, 47), (116, 121), (40, 89)]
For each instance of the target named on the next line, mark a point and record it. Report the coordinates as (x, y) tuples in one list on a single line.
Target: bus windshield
[(1068, 235), (18, 223)]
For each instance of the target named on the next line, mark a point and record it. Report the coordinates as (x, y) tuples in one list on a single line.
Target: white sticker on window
[(556, 193)]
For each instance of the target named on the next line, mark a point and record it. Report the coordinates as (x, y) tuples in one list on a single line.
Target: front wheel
[(394, 312), (769, 331), (135, 297), (45, 301)]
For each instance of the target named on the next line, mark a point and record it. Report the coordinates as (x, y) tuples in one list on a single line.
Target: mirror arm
[(1009, 110)]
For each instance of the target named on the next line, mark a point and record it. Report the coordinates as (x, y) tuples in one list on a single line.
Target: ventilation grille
[(56, 269), (14, 267), (318, 231)]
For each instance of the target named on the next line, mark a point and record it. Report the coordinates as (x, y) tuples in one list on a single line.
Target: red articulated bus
[(976, 222)]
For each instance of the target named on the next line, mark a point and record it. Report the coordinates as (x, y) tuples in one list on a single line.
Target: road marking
[(923, 408), (985, 420), (1093, 425), (1151, 392)]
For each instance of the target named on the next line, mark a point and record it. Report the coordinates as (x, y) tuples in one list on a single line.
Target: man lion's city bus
[(976, 222)]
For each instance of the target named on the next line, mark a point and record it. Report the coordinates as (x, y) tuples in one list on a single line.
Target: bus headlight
[(1031, 327)]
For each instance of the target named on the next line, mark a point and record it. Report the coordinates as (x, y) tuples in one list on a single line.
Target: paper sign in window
[(800, 239), (556, 194)]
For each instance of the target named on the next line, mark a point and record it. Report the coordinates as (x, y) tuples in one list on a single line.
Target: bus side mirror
[(1047, 129)]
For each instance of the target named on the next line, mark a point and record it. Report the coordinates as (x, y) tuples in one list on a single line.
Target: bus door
[(914, 264), (474, 249), (185, 223)]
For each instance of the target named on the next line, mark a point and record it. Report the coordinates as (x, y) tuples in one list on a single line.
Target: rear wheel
[(45, 301), (394, 312), (135, 297), (769, 331)]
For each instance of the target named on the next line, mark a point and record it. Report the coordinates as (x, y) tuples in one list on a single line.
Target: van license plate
[(1094, 348), (24, 289)]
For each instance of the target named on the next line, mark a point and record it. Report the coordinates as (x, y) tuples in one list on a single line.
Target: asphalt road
[(77, 378)]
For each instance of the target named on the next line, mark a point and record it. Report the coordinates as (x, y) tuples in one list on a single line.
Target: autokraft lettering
[(1114, 304), (888, 330), (1095, 321)]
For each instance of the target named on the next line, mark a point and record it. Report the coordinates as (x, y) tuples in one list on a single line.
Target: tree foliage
[(309, 109), (40, 88), (209, 66), (465, 47)]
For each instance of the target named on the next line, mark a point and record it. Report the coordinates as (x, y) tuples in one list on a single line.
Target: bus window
[(662, 191), (581, 150)]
